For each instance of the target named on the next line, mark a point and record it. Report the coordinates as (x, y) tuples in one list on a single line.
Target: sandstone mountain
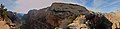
[(51, 17), (114, 17), (5, 21), (9, 19), (60, 16), (67, 16)]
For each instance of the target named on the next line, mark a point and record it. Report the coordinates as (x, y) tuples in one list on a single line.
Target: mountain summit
[(59, 16), (66, 16)]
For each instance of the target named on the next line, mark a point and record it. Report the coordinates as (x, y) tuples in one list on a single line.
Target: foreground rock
[(3, 25), (92, 21), (6, 19), (79, 23)]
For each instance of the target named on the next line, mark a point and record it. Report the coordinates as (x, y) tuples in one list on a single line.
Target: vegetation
[(71, 18), (3, 11)]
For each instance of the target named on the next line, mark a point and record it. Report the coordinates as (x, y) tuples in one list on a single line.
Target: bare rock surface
[(69, 16), (3, 25), (114, 17), (51, 17)]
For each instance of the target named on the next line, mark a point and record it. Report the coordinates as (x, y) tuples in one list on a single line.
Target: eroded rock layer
[(68, 16), (54, 16)]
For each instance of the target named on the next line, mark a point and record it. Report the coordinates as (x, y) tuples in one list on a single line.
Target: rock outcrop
[(79, 23), (59, 16), (51, 17), (5, 19), (92, 21), (66, 16), (3, 25), (114, 17)]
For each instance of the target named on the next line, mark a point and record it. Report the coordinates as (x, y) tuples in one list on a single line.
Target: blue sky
[(101, 5), (23, 6), (9, 4)]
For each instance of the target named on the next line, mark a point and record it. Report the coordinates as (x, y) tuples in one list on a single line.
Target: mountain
[(6, 21), (15, 17), (60, 16), (51, 17), (66, 16), (114, 17)]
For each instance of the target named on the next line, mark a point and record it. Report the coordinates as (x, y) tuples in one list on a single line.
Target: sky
[(23, 6)]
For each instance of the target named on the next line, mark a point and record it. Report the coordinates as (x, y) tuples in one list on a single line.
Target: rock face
[(6, 19), (92, 21), (12, 16), (99, 21), (51, 17), (15, 18), (79, 23), (3, 25), (60, 16), (37, 19), (66, 16), (114, 17)]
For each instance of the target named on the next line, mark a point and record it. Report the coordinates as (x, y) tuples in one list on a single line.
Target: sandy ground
[(3, 25)]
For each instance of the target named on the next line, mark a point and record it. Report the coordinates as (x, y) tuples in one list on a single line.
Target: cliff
[(8, 19), (114, 17), (51, 17), (66, 16), (59, 16)]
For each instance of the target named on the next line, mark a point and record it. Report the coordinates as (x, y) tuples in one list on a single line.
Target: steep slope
[(78, 23), (3, 25), (9, 22), (95, 20), (8, 19), (114, 17), (51, 17), (68, 16)]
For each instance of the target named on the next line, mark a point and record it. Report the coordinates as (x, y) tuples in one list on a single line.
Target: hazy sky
[(23, 6)]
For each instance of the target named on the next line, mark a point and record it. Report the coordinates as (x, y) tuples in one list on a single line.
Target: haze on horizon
[(23, 6)]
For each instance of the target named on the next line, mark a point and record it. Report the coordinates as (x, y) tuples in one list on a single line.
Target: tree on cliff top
[(3, 11)]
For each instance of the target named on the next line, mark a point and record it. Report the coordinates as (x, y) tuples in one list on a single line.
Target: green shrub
[(71, 19)]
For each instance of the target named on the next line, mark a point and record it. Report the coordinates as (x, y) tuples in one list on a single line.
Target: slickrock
[(72, 16), (114, 17), (54, 16), (79, 23), (3, 25)]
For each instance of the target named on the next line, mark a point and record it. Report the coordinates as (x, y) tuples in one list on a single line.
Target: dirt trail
[(3, 25)]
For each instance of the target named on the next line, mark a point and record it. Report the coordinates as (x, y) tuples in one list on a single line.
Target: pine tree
[(3, 11)]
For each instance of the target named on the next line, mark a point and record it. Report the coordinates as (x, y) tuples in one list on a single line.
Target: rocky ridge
[(67, 16), (62, 16), (8, 19), (53, 16), (114, 17)]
